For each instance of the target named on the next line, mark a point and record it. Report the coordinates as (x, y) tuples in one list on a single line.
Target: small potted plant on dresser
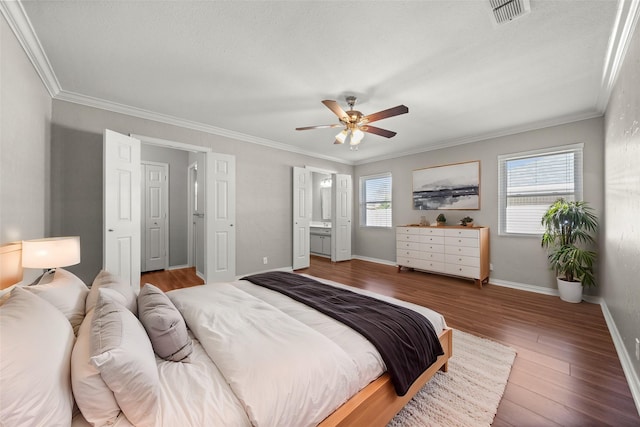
[(567, 225), (467, 221), (441, 220)]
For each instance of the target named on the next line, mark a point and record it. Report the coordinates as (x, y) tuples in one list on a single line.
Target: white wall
[(515, 259), (25, 115), (620, 246)]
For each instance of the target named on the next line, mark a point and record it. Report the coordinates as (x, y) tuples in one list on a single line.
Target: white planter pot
[(570, 291)]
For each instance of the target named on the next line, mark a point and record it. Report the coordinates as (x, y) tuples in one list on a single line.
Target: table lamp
[(50, 253)]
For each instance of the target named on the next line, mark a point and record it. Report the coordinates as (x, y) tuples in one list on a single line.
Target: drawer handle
[(460, 269), (459, 241), (459, 259)]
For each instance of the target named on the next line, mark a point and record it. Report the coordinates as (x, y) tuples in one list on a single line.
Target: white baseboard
[(376, 260), (178, 267), (524, 287), (625, 358)]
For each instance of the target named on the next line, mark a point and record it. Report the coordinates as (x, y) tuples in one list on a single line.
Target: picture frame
[(454, 186)]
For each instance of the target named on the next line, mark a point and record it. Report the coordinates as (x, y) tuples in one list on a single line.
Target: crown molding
[(624, 25), (19, 23), (115, 107), (541, 124)]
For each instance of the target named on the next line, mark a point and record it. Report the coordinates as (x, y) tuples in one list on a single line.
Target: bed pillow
[(95, 400), (121, 351), (104, 279), (164, 325), (35, 352), (67, 293)]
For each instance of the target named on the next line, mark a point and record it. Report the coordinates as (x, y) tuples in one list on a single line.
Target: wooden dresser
[(455, 250)]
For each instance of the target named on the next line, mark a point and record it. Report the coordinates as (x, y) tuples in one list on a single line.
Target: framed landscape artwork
[(455, 187)]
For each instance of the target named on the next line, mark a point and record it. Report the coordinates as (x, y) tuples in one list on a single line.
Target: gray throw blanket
[(405, 339)]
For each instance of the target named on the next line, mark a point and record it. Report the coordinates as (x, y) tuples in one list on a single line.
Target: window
[(375, 200), (529, 182)]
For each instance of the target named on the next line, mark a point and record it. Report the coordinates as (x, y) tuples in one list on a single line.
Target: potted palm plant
[(568, 229)]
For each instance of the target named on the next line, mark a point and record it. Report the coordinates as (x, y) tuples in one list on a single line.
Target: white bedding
[(286, 363)]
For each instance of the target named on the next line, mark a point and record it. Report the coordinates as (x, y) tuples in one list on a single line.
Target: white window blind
[(375, 201), (529, 182)]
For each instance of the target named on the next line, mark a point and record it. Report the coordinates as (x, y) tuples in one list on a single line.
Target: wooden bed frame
[(375, 405)]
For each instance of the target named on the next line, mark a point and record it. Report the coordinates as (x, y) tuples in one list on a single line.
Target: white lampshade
[(356, 137), (52, 252), (341, 137)]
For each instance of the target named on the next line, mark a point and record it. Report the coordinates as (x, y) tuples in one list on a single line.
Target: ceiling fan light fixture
[(356, 137), (341, 137)]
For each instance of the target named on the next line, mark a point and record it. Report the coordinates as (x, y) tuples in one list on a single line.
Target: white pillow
[(35, 352), (164, 325), (121, 351), (104, 279), (67, 293), (95, 400)]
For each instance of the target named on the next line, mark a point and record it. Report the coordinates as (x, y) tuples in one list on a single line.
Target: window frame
[(363, 203), (578, 179)]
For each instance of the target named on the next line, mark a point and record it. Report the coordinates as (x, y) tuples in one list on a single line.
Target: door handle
[(110, 230)]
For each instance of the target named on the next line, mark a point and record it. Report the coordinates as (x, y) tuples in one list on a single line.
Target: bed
[(206, 377)]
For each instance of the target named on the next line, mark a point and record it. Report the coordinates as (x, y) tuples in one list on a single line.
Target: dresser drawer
[(427, 231), (408, 238), (431, 266), (462, 270), (407, 230), (461, 241), (462, 250), (469, 261), (414, 246), (430, 247), (437, 240), (407, 253), (432, 256), (459, 232)]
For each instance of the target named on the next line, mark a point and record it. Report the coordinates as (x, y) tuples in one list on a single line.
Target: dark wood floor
[(566, 372), (172, 279)]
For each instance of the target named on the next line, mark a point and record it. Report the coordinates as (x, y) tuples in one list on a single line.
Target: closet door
[(302, 205), (342, 208), (121, 250)]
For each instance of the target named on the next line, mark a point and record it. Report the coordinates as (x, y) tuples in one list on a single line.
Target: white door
[(342, 207), (155, 189), (121, 251), (302, 205), (220, 218)]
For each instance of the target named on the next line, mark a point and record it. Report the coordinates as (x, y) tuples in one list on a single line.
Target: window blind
[(375, 201), (531, 181)]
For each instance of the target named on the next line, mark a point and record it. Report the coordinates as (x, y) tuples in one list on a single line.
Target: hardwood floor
[(566, 372), (172, 279)]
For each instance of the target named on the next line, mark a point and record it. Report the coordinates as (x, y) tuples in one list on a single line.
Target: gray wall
[(620, 246), (263, 176), (178, 162), (25, 107), (515, 259)]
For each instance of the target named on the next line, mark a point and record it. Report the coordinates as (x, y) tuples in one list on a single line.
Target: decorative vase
[(440, 223), (570, 291)]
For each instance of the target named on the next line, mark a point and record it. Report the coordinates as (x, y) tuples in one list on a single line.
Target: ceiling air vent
[(508, 10)]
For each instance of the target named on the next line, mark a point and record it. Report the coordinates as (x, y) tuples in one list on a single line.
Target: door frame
[(190, 242), (143, 213), (210, 270)]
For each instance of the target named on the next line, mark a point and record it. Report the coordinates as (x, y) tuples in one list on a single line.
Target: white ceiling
[(256, 70)]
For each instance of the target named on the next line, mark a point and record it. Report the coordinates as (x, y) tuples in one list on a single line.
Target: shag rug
[(469, 393)]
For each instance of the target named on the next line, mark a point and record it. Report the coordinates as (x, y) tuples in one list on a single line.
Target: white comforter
[(284, 363)]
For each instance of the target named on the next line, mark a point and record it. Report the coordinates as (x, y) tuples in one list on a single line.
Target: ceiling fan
[(355, 123)]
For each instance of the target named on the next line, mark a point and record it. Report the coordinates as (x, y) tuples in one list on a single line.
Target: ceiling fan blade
[(395, 111), (336, 108), (378, 131), (337, 125)]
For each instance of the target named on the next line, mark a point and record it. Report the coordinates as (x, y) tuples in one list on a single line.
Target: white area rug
[(469, 393)]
